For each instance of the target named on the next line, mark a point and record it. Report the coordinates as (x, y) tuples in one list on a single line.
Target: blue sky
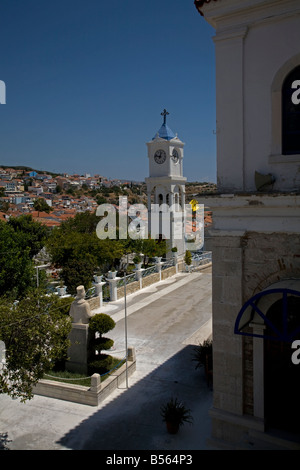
[(86, 81)]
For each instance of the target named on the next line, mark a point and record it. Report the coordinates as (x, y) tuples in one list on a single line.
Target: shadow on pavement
[(132, 420)]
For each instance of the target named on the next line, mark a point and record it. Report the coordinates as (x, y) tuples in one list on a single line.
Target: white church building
[(255, 239)]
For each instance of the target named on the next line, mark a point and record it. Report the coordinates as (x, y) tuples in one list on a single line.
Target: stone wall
[(94, 303), (151, 279), (130, 289), (86, 395), (227, 301), (169, 272), (269, 258), (244, 264), (146, 281)]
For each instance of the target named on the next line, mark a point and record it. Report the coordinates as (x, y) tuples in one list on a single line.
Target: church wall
[(243, 265), (244, 100), (261, 41), (255, 237)]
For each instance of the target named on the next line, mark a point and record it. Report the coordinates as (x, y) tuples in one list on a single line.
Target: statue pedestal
[(78, 352)]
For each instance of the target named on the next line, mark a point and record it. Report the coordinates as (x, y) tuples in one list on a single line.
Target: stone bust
[(80, 310)]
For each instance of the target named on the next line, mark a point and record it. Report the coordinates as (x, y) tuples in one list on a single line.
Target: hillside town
[(52, 198)]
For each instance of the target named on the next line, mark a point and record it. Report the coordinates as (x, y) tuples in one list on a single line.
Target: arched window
[(291, 113)]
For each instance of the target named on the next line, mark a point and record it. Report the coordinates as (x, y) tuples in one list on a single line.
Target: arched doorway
[(272, 318), (282, 377)]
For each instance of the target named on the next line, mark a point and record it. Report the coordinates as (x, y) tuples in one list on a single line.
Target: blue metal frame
[(281, 335)]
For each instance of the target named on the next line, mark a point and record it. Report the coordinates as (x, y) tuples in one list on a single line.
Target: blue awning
[(254, 312)]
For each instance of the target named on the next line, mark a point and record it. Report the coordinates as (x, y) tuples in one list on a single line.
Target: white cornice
[(226, 14)]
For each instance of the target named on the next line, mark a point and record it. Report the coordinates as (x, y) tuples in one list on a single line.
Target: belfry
[(166, 187)]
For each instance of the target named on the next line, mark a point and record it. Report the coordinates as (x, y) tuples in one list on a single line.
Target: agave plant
[(175, 414)]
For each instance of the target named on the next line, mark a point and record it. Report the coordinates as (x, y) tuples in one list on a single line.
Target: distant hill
[(28, 168)]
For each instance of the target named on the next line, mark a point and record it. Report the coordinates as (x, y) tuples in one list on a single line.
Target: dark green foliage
[(76, 241), (137, 259), (41, 205), (176, 413), (103, 344), (101, 323), (32, 234), (188, 258), (20, 239), (202, 354), (76, 273), (35, 333), (16, 266), (101, 365)]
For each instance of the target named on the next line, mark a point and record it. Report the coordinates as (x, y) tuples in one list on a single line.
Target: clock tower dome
[(166, 186)]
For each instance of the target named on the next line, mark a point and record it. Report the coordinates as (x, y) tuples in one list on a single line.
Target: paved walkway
[(164, 322)]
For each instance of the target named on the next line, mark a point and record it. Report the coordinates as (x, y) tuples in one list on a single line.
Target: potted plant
[(188, 259), (175, 414), (137, 261), (112, 273), (174, 251), (98, 277), (203, 356), (61, 289)]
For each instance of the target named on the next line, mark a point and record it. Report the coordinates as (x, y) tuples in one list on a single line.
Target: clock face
[(175, 156), (160, 156)]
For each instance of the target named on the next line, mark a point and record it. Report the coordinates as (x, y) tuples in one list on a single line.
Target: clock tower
[(166, 187)]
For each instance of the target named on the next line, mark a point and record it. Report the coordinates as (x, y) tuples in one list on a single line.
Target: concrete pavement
[(164, 322)]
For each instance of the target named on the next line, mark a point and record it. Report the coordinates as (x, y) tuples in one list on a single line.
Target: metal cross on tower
[(164, 114)]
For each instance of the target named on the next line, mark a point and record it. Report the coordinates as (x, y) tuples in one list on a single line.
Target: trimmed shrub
[(101, 365), (101, 323)]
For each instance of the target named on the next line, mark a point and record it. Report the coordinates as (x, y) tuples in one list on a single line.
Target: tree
[(41, 205), (35, 334), (149, 247), (32, 234), (16, 266), (20, 240), (77, 272), (101, 324), (188, 257), (75, 241), (4, 206)]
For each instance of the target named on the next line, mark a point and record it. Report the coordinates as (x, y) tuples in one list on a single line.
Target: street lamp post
[(126, 346), (125, 310), (42, 266)]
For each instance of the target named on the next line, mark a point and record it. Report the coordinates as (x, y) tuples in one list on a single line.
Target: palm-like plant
[(175, 414)]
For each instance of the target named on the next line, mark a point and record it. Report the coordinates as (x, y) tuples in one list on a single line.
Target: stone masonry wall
[(169, 272), (243, 266), (227, 268), (268, 258)]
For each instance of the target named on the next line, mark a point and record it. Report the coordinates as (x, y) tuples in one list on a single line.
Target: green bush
[(101, 323), (202, 354), (101, 365), (188, 257), (102, 344)]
